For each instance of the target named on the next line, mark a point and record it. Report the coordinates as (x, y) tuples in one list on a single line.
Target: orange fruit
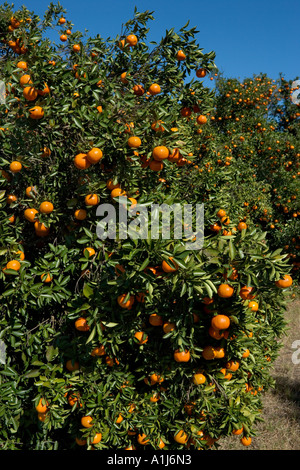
[(81, 161), (81, 324), (46, 277), (242, 226), (15, 166), (245, 292), (220, 322), (36, 113), (208, 353), (11, 198), (30, 191), (30, 93), (40, 229), (168, 326), (200, 73), (21, 255), (14, 264), (81, 442), (180, 55), (199, 379), (142, 439), (117, 192), (76, 48), (132, 40), (221, 213), (201, 119), (46, 207), (154, 89), (238, 432), (138, 90), (160, 153), (86, 421), (134, 142), (155, 319), (90, 251), (169, 267), (80, 214), (154, 165), (182, 356), (225, 291), (42, 406), (94, 155), (97, 438), (141, 337), (287, 281), (22, 65), (92, 199), (232, 365), (246, 441), (253, 305), (30, 214), (98, 351), (181, 437), (128, 304)]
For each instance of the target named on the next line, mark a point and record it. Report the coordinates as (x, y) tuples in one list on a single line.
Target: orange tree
[(122, 343)]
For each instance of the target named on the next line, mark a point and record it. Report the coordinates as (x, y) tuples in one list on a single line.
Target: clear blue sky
[(248, 36)]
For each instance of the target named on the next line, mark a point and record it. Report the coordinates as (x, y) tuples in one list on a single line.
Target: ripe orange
[(111, 185), (80, 214), (128, 304), (141, 337), (81, 161), (132, 40), (154, 165), (46, 277), (21, 255), (182, 356), (134, 142), (200, 73), (86, 421), (123, 78), (208, 353), (238, 432), (181, 437), (63, 38), (15, 166), (42, 406), (221, 213), (61, 20), (94, 155), (160, 153), (245, 293), (22, 65), (98, 351), (11, 198), (220, 322), (117, 192), (253, 305), (201, 119), (30, 214), (81, 324), (155, 319), (199, 379), (30, 93), (142, 439), (232, 365), (138, 90), (246, 353), (30, 191), (14, 264), (76, 48), (36, 113), (92, 199), (46, 207), (168, 326), (225, 291), (246, 441), (81, 442), (40, 229), (287, 281), (180, 55), (97, 438), (242, 226), (169, 267), (90, 251), (154, 89)]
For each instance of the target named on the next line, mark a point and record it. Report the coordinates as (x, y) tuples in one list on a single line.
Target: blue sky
[(248, 37)]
